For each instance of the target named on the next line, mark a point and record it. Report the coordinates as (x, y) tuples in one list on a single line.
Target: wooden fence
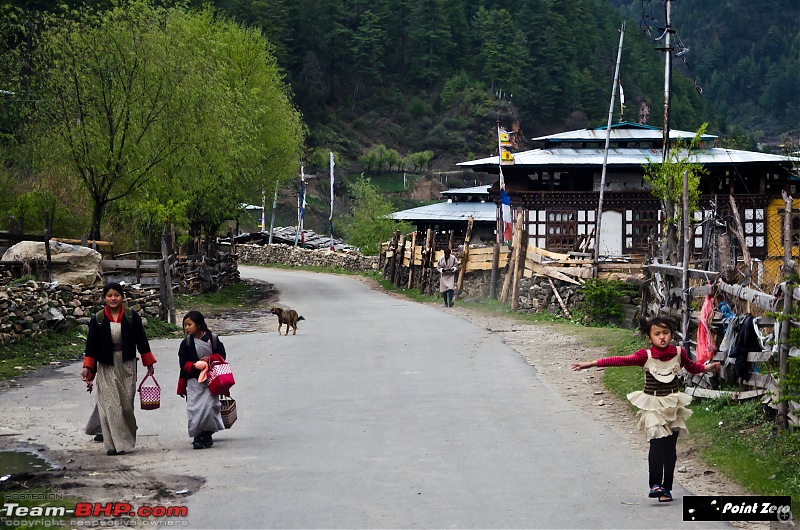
[(764, 367), (410, 260)]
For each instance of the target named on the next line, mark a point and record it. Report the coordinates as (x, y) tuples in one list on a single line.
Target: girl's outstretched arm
[(582, 366)]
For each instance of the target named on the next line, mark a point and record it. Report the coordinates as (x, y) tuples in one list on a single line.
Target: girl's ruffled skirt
[(660, 415)]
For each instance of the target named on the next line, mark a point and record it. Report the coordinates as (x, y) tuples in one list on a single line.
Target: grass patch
[(28, 355), (55, 347), (232, 296), (744, 444)]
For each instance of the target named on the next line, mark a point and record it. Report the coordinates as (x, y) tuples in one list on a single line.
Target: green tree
[(370, 222), (142, 92), (666, 183)]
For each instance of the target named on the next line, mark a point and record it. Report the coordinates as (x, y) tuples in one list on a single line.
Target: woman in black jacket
[(115, 335)]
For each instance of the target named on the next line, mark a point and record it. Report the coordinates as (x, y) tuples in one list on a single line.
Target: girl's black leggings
[(662, 458)]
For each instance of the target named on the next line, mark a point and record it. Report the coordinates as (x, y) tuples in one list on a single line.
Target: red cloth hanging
[(705, 342)]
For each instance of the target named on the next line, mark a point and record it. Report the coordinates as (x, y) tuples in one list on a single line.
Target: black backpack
[(214, 342), (100, 315)]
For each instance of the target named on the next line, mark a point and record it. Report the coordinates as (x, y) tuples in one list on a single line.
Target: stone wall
[(301, 257), (30, 308)]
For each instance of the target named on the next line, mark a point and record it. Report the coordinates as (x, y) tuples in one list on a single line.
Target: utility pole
[(605, 156), (667, 76)]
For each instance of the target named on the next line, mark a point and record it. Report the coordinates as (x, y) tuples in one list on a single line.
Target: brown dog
[(288, 317)]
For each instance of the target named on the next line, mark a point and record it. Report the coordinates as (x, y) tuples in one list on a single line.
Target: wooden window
[(640, 225), (562, 229)]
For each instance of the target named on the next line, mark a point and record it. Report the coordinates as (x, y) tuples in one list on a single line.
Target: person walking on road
[(447, 265), (195, 355), (662, 407), (115, 334)]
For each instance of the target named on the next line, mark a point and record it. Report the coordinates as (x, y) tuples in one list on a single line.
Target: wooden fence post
[(465, 256), (512, 267), (411, 263), (786, 324), (426, 261), (739, 233), (138, 264), (393, 263), (493, 275), (399, 255), (168, 279), (519, 264)]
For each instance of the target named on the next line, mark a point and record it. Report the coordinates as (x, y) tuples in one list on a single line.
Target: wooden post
[(411, 263), (431, 263), (786, 324), (451, 239), (464, 256), (391, 264), (739, 233), (511, 267), (168, 279), (162, 286), (427, 250), (138, 264), (519, 264), (687, 249), (560, 300), (493, 275), (399, 255)]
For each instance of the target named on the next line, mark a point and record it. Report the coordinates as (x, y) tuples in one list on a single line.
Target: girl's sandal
[(665, 496), (656, 491)]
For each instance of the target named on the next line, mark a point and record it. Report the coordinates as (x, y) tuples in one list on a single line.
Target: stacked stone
[(210, 274), (300, 257), (32, 307), (23, 307)]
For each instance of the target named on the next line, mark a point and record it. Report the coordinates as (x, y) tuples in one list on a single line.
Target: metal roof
[(450, 211), (564, 156), (476, 190), (622, 132)]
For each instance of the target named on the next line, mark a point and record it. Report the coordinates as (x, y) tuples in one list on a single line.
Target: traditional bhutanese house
[(453, 215), (558, 188)]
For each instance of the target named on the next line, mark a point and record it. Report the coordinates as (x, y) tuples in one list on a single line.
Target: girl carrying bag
[(150, 396)]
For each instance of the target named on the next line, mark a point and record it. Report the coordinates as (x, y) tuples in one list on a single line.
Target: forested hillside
[(745, 56), (417, 75), (422, 82), (434, 74)]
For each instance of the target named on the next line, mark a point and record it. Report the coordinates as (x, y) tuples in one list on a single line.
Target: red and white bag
[(150, 396), (220, 378)]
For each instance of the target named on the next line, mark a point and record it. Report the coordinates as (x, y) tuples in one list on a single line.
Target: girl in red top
[(662, 406)]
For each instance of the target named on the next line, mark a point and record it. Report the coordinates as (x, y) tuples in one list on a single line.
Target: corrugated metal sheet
[(450, 211), (625, 135), (477, 190), (625, 157)]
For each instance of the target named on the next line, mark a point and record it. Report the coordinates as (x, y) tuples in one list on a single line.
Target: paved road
[(379, 413), (383, 413)]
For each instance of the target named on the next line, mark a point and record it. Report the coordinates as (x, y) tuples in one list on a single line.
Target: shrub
[(603, 299)]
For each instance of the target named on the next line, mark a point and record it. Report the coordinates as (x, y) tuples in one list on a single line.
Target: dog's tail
[(300, 318)]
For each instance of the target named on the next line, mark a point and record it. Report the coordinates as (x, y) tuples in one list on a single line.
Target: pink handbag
[(220, 378), (150, 396)]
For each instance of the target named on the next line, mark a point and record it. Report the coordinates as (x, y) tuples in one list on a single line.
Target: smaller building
[(453, 215)]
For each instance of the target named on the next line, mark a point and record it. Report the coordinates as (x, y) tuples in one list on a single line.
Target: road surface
[(379, 413)]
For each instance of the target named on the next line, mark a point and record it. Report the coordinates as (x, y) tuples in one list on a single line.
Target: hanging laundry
[(705, 341), (746, 341)]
